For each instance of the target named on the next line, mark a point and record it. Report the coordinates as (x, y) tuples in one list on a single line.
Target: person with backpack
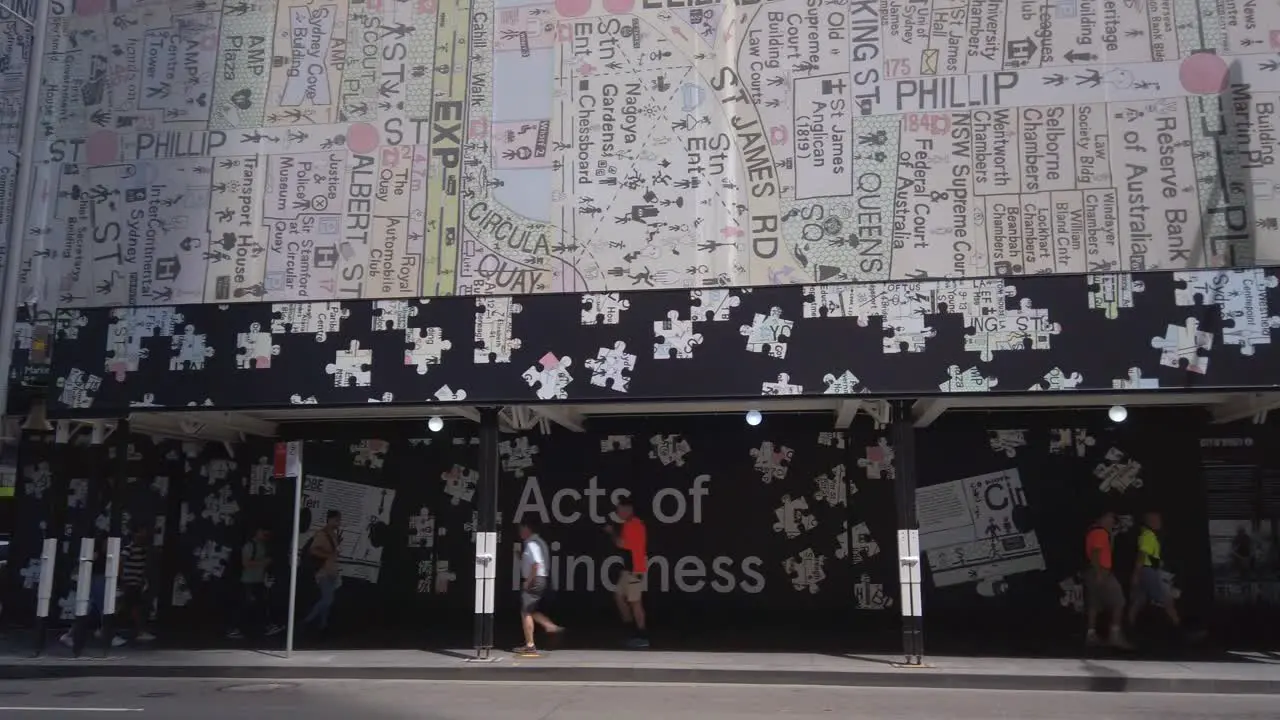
[(253, 608), (535, 570), (321, 553)]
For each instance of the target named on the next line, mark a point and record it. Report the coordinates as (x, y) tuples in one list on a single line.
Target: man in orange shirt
[(629, 593), (1102, 590)]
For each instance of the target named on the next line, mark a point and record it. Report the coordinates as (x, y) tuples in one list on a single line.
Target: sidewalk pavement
[(1244, 673)]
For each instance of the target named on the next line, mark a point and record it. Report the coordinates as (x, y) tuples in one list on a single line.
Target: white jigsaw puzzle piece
[(677, 336), (426, 346), (1184, 343), (713, 305), (351, 367), (783, 386), (256, 349), (393, 314), (608, 366), (550, 376), (767, 333), (493, 329), (603, 308)]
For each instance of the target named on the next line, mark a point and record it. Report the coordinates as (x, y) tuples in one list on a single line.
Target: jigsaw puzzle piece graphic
[(189, 350), (767, 333), (393, 314), (550, 376), (782, 387), (494, 341), (1182, 344), (608, 366), (971, 380), (677, 337), (351, 367), (256, 349), (712, 305), (603, 308), (1112, 293), (426, 346)]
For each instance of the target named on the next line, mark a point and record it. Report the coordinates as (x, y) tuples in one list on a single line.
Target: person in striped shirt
[(135, 573)]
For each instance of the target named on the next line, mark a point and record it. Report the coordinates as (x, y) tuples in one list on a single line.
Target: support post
[(24, 195), (111, 573), (909, 576), (292, 451), (55, 530), (486, 533)]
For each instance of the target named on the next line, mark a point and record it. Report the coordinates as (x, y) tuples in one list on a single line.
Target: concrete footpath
[(1239, 673)]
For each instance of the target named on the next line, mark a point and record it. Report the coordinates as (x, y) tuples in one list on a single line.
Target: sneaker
[(638, 643), (145, 637), (67, 640), (273, 630), (526, 651), (97, 634), (118, 641), (235, 635)]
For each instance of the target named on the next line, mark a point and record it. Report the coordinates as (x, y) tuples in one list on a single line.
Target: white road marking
[(70, 709)]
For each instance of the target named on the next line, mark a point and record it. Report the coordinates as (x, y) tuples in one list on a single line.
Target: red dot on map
[(362, 138), (102, 148), (572, 8), (619, 7), (1204, 74), (91, 7)]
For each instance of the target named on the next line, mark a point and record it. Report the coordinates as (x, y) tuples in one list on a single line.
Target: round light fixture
[(1117, 413), (754, 417), (435, 424)]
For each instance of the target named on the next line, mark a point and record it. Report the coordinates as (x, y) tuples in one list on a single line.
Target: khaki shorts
[(1103, 592), (630, 586)]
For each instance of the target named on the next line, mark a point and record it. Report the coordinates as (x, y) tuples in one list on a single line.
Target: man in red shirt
[(632, 540), (1102, 590)]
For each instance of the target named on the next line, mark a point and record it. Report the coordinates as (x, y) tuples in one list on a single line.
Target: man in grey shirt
[(254, 609), (535, 568)]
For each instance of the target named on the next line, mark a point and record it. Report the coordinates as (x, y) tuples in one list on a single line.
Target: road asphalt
[(258, 699)]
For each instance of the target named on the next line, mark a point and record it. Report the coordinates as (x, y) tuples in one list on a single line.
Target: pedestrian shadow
[(1104, 679)]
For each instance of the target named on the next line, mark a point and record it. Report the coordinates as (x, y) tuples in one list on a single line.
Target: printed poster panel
[(969, 531), (327, 149), (366, 512)]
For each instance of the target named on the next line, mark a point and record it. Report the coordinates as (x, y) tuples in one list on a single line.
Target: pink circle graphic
[(619, 7), (89, 8), (572, 8), (102, 148), (1204, 74), (362, 138)]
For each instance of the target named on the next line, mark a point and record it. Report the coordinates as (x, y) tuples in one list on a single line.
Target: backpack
[(546, 556), (308, 562)]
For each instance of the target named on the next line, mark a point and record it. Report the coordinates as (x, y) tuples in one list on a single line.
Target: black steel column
[(486, 532), (96, 499), (58, 494), (118, 485), (903, 439)]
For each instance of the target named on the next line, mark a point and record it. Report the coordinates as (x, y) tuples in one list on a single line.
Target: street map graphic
[(224, 151)]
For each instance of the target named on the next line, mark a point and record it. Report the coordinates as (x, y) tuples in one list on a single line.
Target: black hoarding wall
[(1046, 333), (196, 498), (772, 536), (1005, 501)]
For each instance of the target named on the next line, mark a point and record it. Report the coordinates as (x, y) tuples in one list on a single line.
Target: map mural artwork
[(221, 151)]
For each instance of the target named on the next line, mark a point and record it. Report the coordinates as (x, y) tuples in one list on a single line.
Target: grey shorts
[(1103, 592), (531, 596)]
